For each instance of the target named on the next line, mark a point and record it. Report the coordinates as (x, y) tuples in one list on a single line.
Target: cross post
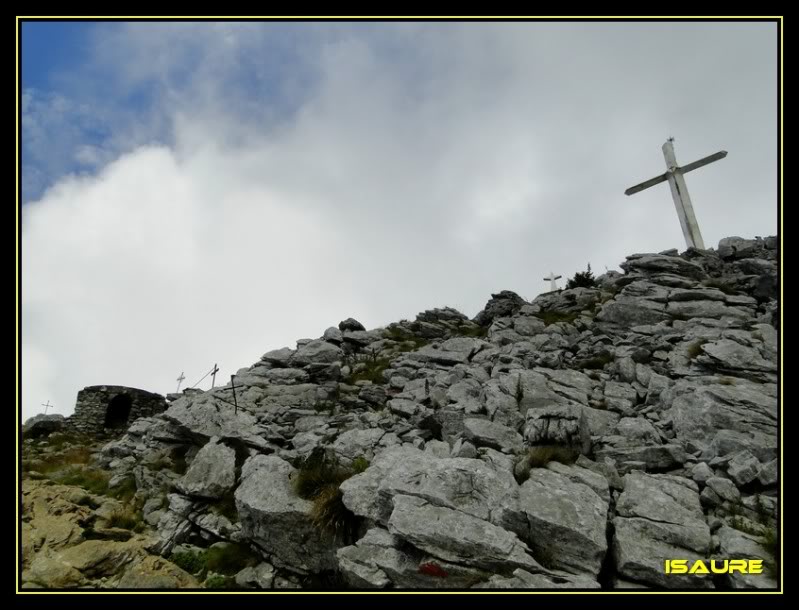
[(235, 402), (679, 191), (214, 371), (47, 406), (180, 380)]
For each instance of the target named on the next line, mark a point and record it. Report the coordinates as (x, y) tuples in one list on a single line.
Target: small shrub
[(318, 480), (582, 279), (87, 501), (540, 456), (330, 514), (315, 475), (407, 340), (193, 563), (125, 519), (325, 406), (371, 371), (359, 464), (695, 349), (744, 525)]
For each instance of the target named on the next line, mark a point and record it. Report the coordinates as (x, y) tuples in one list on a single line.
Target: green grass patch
[(93, 481), (744, 525), (225, 560), (193, 563), (407, 340), (76, 456), (471, 330), (372, 370), (554, 317), (359, 464), (219, 581)]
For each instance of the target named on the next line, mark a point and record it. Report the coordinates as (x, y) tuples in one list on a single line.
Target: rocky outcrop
[(442, 440)]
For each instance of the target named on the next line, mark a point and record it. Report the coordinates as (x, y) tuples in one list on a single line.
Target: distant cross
[(552, 277), (679, 191), (214, 371), (180, 380), (47, 406)]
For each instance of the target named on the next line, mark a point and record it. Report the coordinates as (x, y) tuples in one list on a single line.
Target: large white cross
[(180, 380), (679, 191), (552, 277)]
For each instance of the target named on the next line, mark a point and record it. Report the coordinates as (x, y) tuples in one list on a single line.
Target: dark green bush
[(582, 279)]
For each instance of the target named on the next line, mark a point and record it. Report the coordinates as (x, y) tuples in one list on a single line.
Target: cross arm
[(645, 185), (709, 159)]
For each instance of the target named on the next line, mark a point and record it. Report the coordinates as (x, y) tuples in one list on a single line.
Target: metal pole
[(235, 402)]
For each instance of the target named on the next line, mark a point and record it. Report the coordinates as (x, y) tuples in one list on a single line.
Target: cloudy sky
[(196, 193)]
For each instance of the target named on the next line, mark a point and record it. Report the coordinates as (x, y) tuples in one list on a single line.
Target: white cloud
[(401, 168)]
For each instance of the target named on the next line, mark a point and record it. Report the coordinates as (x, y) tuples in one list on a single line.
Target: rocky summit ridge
[(576, 441)]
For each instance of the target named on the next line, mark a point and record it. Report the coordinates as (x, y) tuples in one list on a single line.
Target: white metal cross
[(553, 284), (47, 406), (679, 191), (180, 380)]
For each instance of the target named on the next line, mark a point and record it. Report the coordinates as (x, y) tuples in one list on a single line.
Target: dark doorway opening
[(118, 411)]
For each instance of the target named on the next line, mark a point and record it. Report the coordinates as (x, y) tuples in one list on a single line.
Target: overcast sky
[(205, 192)]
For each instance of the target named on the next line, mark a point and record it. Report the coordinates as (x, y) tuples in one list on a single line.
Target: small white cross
[(180, 380), (553, 284)]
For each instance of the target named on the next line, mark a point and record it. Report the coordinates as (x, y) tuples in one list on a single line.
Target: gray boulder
[(275, 519), (212, 472), (567, 520)]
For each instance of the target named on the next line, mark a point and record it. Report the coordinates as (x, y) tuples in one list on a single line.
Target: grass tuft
[(554, 317), (540, 456)]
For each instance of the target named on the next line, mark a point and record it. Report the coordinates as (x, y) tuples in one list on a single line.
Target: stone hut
[(112, 408)]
